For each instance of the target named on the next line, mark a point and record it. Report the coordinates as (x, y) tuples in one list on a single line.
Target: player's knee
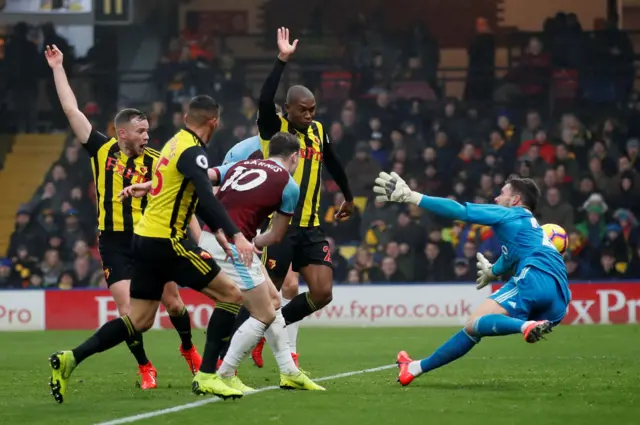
[(468, 326), (142, 323), (322, 296), (174, 305), (124, 308), (267, 317)]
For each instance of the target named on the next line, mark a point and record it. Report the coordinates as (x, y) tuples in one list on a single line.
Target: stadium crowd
[(586, 161)]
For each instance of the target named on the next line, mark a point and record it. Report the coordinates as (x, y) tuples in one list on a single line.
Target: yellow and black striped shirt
[(308, 175), (112, 172), (173, 197)]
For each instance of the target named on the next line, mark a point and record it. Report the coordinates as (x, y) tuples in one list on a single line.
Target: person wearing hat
[(8, 278), (27, 233), (461, 271)]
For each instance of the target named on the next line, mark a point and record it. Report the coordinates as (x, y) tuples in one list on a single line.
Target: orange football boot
[(148, 375), (537, 330), (192, 357), (256, 354), (403, 360)]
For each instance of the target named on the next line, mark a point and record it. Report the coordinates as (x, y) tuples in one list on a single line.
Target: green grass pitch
[(581, 375)]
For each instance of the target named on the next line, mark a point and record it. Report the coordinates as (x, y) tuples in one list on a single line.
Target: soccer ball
[(557, 235)]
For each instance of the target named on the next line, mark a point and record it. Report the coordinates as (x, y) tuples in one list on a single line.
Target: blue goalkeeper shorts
[(533, 295)]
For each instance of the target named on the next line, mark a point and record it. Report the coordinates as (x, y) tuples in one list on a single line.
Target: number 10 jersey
[(251, 190)]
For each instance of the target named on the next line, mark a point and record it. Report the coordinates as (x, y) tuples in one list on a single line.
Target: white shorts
[(245, 277)]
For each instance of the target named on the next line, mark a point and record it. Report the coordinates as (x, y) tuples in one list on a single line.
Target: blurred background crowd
[(564, 112)]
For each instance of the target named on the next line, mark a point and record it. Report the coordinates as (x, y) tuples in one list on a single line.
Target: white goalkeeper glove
[(485, 274), (391, 187)]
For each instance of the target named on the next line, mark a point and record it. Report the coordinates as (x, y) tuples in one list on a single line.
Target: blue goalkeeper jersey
[(523, 242)]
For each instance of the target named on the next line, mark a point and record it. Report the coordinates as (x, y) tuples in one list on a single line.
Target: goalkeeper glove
[(391, 187), (485, 274)]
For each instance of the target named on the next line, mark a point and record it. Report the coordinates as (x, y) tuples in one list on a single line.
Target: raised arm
[(268, 120), (79, 123)]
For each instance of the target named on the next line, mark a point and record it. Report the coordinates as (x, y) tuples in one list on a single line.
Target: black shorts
[(300, 247), (117, 259), (158, 261)]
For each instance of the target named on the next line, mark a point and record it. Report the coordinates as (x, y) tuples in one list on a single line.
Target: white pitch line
[(213, 399)]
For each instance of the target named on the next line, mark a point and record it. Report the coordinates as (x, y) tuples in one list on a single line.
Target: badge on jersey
[(202, 162), (107, 273), (271, 264), (205, 255)]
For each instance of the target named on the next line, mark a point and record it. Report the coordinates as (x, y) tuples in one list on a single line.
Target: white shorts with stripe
[(246, 278)]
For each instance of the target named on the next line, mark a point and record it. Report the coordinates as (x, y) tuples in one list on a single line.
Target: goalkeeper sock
[(496, 325), (457, 346)]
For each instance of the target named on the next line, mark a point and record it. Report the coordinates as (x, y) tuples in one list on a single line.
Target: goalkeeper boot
[(298, 381), (210, 383), (404, 376), (62, 364), (535, 331)]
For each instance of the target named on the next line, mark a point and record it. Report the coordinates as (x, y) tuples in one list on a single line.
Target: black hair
[(527, 189), (283, 145), (202, 108), (127, 115)]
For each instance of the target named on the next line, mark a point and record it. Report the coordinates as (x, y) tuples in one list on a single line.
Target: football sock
[(241, 317), (108, 336), (497, 324), (276, 336), (243, 341), (182, 323), (218, 329), (457, 346), (292, 329), (298, 308), (136, 346)]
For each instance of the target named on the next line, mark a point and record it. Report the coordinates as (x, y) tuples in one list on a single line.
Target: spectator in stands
[(51, 267), (67, 281), (429, 268), (72, 231), (362, 171), (340, 264), (387, 272), (556, 210), (462, 271), (533, 124), (85, 276), (27, 233), (25, 264), (362, 262), (608, 269), (481, 54), (353, 277), (35, 281), (8, 278), (343, 231), (22, 62)]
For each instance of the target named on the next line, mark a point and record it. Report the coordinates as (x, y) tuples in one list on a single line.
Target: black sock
[(241, 317), (298, 308), (136, 346), (182, 323), (219, 328), (108, 336)]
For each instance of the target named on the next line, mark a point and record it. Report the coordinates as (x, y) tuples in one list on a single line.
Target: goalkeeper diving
[(531, 303)]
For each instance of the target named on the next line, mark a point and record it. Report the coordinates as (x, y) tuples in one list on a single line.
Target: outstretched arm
[(79, 123), (391, 187)]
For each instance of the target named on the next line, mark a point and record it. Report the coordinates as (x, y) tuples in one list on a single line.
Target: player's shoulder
[(155, 154)]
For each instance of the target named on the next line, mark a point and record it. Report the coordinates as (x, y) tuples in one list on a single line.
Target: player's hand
[(485, 275), (391, 187), (133, 191), (54, 56), (245, 249), (286, 49), (224, 243), (346, 210)]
